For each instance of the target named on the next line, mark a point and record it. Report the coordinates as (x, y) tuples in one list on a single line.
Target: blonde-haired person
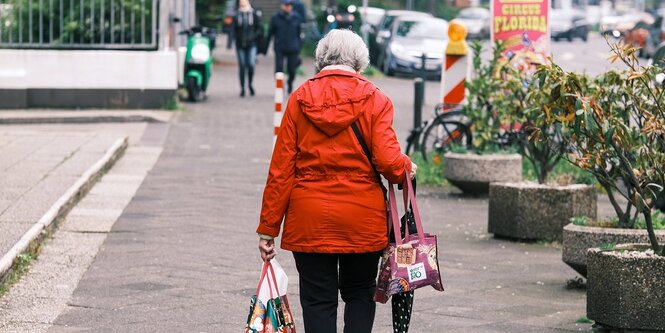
[(322, 185), (247, 32)]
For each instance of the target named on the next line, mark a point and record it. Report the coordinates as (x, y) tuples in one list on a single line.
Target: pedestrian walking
[(247, 32), (285, 29), (324, 186)]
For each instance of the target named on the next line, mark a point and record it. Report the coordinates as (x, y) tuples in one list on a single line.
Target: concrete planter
[(473, 173), (626, 290), (578, 239), (535, 211)]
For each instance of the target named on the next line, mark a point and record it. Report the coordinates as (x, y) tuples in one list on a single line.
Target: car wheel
[(585, 36), (556, 39), (570, 37)]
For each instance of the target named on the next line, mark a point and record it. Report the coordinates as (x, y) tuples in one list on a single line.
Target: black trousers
[(292, 62), (320, 279)]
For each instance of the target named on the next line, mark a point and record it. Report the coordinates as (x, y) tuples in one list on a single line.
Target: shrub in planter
[(616, 131), (584, 233), (526, 210), (492, 129)]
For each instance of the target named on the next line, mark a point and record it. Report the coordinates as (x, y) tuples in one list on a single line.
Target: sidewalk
[(46, 169)]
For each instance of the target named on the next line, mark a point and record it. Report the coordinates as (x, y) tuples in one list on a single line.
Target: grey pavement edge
[(63, 205), (15, 117)]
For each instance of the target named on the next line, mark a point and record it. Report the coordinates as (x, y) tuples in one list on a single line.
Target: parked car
[(568, 25), (476, 20), (383, 31), (617, 24), (371, 16), (412, 37)]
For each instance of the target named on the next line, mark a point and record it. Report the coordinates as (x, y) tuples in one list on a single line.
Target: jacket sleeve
[(258, 24), (281, 175), (386, 152)]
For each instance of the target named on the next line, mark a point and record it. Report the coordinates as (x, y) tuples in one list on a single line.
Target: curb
[(78, 120), (62, 206)]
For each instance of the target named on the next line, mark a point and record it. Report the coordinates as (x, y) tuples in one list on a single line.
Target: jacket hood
[(334, 99)]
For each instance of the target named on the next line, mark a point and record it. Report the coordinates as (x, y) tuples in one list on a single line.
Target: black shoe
[(251, 91), (242, 93)]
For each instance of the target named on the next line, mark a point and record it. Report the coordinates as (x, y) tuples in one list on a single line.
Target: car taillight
[(662, 36), (228, 20)]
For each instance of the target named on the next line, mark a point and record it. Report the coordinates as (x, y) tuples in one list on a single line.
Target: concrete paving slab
[(132, 130), (82, 116), (22, 327)]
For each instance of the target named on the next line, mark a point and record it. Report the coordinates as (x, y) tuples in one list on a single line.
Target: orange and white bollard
[(455, 68), (279, 100)]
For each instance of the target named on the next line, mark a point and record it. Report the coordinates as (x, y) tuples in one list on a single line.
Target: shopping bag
[(411, 262), (269, 310)]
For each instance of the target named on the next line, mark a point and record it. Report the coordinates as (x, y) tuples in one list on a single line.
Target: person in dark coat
[(247, 32), (285, 28)]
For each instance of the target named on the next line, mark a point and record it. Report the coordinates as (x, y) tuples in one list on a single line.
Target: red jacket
[(320, 179)]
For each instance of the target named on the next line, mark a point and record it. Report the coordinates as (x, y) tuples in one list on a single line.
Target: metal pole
[(418, 97), (423, 70)]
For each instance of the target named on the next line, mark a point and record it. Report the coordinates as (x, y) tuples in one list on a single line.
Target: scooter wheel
[(193, 90)]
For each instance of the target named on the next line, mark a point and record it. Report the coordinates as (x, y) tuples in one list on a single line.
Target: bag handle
[(392, 210), (414, 206), (409, 197), (274, 280), (264, 275)]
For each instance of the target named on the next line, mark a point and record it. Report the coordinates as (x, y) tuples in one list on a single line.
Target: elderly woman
[(324, 187)]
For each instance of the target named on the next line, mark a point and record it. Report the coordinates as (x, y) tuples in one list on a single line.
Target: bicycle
[(436, 136)]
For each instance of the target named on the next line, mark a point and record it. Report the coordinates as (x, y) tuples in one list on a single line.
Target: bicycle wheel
[(441, 134)]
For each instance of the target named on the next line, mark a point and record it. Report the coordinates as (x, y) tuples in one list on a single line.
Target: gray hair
[(342, 47)]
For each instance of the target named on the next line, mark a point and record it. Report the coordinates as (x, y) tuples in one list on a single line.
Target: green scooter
[(198, 61)]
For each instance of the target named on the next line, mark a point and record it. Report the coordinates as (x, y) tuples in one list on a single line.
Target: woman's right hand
[(414, 167), (267, 248)]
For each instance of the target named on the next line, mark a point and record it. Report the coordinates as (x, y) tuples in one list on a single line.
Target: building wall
[(98, 78), (83, 79)]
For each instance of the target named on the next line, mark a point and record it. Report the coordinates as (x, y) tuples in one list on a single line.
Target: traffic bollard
[(418, 98), (453, 74), (279, 100)]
